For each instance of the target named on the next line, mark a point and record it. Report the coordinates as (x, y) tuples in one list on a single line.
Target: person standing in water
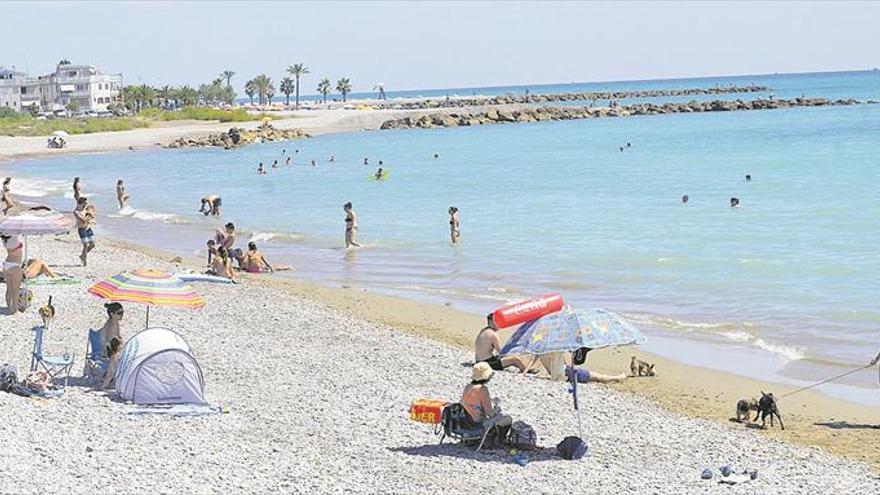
[(351, 226), (6, 195), (275, 164), (748, 177), (287, 162), (684, 199), (260, 169), (77, 190), (211, 205), (734, 202), (121, 196), (454, 232), (366, 161)]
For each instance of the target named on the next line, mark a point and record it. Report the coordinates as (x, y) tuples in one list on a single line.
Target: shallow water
[(792, 274)]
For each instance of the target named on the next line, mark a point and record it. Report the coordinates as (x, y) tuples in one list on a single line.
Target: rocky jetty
[(562, 97), (236, 137), (502, 115)]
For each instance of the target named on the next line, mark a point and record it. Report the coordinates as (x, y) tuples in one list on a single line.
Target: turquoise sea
[(784, 286)]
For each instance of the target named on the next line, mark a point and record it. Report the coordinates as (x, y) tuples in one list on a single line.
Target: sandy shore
[(318, 381)]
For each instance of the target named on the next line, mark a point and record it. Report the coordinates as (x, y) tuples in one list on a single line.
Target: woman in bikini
[(12, 272), (111, 330), (221, 266), (350, 226), (36, 268), (254, 261), (6, 196), (454, 232), (121, 196)]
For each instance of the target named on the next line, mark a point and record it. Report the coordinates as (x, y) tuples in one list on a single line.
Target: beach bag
[(8, 377), (571, 448), (522, 436)]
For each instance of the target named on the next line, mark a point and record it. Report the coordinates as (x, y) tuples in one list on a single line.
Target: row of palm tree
[(263, 87)]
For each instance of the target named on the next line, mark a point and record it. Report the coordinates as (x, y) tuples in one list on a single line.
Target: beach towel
[(179, 410), (190, 277), (59, 280)]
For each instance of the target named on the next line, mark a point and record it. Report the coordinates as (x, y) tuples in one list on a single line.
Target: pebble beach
[(316, 401)]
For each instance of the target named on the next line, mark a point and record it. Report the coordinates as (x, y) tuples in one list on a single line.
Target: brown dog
[(744, 409), (47, 313), (641, 368)]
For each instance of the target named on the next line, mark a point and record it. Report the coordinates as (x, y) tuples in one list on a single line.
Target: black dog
[(767, 407)]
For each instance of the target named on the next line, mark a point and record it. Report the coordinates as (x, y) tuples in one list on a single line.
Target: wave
[(276, 237), (151, 216), (39, 188), (789, 352)]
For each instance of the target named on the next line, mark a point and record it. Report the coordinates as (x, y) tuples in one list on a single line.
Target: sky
[(426, 45)]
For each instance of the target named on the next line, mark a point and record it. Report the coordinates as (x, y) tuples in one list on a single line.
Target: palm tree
[(343, 86), (188, 95), (263, 85), (250, 89), (270, 93), (147, 95), (227, 74), (287, 87), (164, 94), (297, 70), (324, 88)]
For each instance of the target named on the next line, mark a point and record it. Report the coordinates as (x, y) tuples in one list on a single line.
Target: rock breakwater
[(236, 137)]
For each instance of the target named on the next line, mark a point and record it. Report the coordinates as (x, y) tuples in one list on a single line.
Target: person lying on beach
[(121, 196), (85, 219), (226, 237), (255, 262), (211, 205), (478, 402), (488, 345), (111, 352), (584, 376), (36, 268), (6, 196), (110, 329)]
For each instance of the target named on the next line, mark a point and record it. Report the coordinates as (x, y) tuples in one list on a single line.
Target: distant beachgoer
[(584, 375), (111, 352), (255, 262), (436, 155), (12, 273), (85, 220), (628, 145), (366, 161), (314, 163), (378, 174), (351, 226), (260, 169), (275, 164), (77, 189), (226, 237), (684, 199), (478, 402), (6, 195), (621, 149), (332, 158), (296, 151), (380, 163), (36, 268), (287, 162), (211, 205), (283, 151), (121, 196), (748, 177), (734, 202), (454, 232), (488, 345), (111, 328)]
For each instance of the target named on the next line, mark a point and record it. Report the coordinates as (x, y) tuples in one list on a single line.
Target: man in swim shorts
[(85, 218), (488, 345)]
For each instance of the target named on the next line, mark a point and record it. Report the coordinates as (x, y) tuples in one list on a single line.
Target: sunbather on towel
[(478, 403), (488, 345), (114, 348), (36, 267)]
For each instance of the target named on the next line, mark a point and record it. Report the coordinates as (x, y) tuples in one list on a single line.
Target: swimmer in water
[(378, 174), (436, 155), (454, 232), (283, 151), (211, 205), (734, 202), (260, 169), (366, 161), (121, 196), (314, 163), (332, 158), (748, 177), (351, 226), (621, 149), (628, 145), (684, 199), (287, 163), (380, 163), (275, 164)]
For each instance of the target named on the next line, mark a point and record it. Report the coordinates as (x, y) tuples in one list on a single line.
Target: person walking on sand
[(6, 195), (454, 232), (85, 219), (351, 226), (121, 196), (12, 273)]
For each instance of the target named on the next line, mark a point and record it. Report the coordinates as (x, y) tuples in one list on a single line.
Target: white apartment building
[(83, 85)]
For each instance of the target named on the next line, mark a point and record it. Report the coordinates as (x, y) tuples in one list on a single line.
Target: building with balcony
[(71, 86)]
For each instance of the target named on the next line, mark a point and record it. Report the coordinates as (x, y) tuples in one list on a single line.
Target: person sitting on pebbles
[(488, 345), (480, 405)]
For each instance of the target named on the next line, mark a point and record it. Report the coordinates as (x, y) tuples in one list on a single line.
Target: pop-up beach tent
[(157, 366)]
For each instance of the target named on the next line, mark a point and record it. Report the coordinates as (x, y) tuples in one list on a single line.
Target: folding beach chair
[(457, 424), (53, 365), (95, 363)]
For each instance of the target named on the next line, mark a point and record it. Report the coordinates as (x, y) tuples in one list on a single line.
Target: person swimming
[(379, 173), (314, 163), (684, 199), (366, 161), (748, 177), (332, 158), (734, 202), (436, 155), (260, 169), (275, 164), (287, 163)]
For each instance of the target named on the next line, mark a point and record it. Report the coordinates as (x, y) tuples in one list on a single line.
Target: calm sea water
[(790, 279)]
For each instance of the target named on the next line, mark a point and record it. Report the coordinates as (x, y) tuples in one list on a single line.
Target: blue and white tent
[(157, 366)]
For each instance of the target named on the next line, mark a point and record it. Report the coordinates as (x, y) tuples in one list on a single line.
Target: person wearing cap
[(488, 345), (477, 401)]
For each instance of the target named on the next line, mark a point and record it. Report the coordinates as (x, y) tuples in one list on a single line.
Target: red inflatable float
[(528, 310)]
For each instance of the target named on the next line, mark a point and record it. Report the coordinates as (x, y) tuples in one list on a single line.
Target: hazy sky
[(411, 45)]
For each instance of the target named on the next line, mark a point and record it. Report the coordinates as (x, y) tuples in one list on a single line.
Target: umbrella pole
[(148, 317), (574, 394)]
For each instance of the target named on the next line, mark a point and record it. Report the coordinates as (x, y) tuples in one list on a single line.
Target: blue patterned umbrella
[(571, 329)]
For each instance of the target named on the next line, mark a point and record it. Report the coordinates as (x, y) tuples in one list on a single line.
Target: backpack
[(8, 377), (571, 448), (522, 436)]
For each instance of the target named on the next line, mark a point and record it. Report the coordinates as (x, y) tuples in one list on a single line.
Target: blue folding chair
[(95, 362), (55, 366)]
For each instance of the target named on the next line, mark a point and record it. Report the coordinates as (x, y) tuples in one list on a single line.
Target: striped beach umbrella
[(147, 287), (36, 223)]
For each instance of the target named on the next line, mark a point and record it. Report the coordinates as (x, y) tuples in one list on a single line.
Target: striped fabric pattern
[(149, 287)]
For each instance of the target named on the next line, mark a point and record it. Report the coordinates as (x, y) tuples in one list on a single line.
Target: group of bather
[(222, 252)]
